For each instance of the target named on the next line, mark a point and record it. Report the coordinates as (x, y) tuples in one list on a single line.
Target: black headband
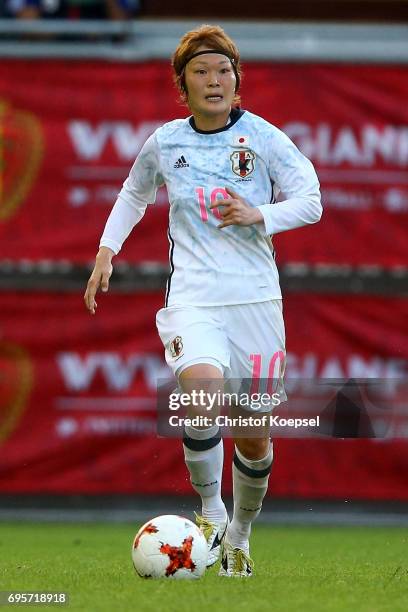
[(231, 59)]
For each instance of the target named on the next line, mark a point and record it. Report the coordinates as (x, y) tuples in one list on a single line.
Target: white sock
[(204, 457), (250, 483)]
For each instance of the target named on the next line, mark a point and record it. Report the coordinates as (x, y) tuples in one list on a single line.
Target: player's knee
[(201, 377), (253, 448), (204, 383), (201, 374)]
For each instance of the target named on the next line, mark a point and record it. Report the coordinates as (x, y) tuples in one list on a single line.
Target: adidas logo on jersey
[(181, 163)]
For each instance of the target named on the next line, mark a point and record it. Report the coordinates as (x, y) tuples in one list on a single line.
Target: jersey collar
[(235, 114)]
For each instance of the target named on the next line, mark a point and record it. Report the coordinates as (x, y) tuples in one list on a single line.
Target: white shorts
[(245, 341)]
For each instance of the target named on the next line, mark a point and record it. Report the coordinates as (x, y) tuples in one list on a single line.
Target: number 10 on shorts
[(277, 362)]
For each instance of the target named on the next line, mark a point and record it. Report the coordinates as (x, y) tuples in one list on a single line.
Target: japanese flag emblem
[(241, 141)]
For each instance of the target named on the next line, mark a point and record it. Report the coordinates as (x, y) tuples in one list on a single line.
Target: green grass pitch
[(296, 568)]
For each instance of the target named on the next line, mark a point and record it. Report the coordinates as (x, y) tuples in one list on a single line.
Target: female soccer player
[(222, 320)]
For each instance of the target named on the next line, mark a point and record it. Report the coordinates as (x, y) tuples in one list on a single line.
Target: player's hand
[(236, 211), (99, 278)]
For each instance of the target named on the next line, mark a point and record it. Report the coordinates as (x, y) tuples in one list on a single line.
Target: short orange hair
[(215, 39)]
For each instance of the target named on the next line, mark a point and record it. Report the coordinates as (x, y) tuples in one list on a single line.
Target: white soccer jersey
[(211, 266)]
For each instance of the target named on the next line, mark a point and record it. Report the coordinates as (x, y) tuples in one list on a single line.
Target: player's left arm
[(296, 177)]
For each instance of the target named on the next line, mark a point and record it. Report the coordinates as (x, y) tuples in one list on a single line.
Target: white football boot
[(235, 562), (214, 533)]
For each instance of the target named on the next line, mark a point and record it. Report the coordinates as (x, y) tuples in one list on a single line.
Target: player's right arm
[(138, 190), (99, 278)]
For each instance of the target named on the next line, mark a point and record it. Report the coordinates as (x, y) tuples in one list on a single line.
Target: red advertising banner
[(78, 397), (68, 144)]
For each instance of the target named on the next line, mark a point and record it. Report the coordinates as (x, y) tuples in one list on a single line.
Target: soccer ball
[(170, 546)]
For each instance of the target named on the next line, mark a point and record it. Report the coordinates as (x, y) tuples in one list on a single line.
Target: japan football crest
[(243, 162), (176, 347)]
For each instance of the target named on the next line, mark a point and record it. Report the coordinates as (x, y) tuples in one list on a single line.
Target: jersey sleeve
[(138, 191), (295, 176)]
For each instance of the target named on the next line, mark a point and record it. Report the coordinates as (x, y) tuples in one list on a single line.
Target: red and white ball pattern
[(170, 546)]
